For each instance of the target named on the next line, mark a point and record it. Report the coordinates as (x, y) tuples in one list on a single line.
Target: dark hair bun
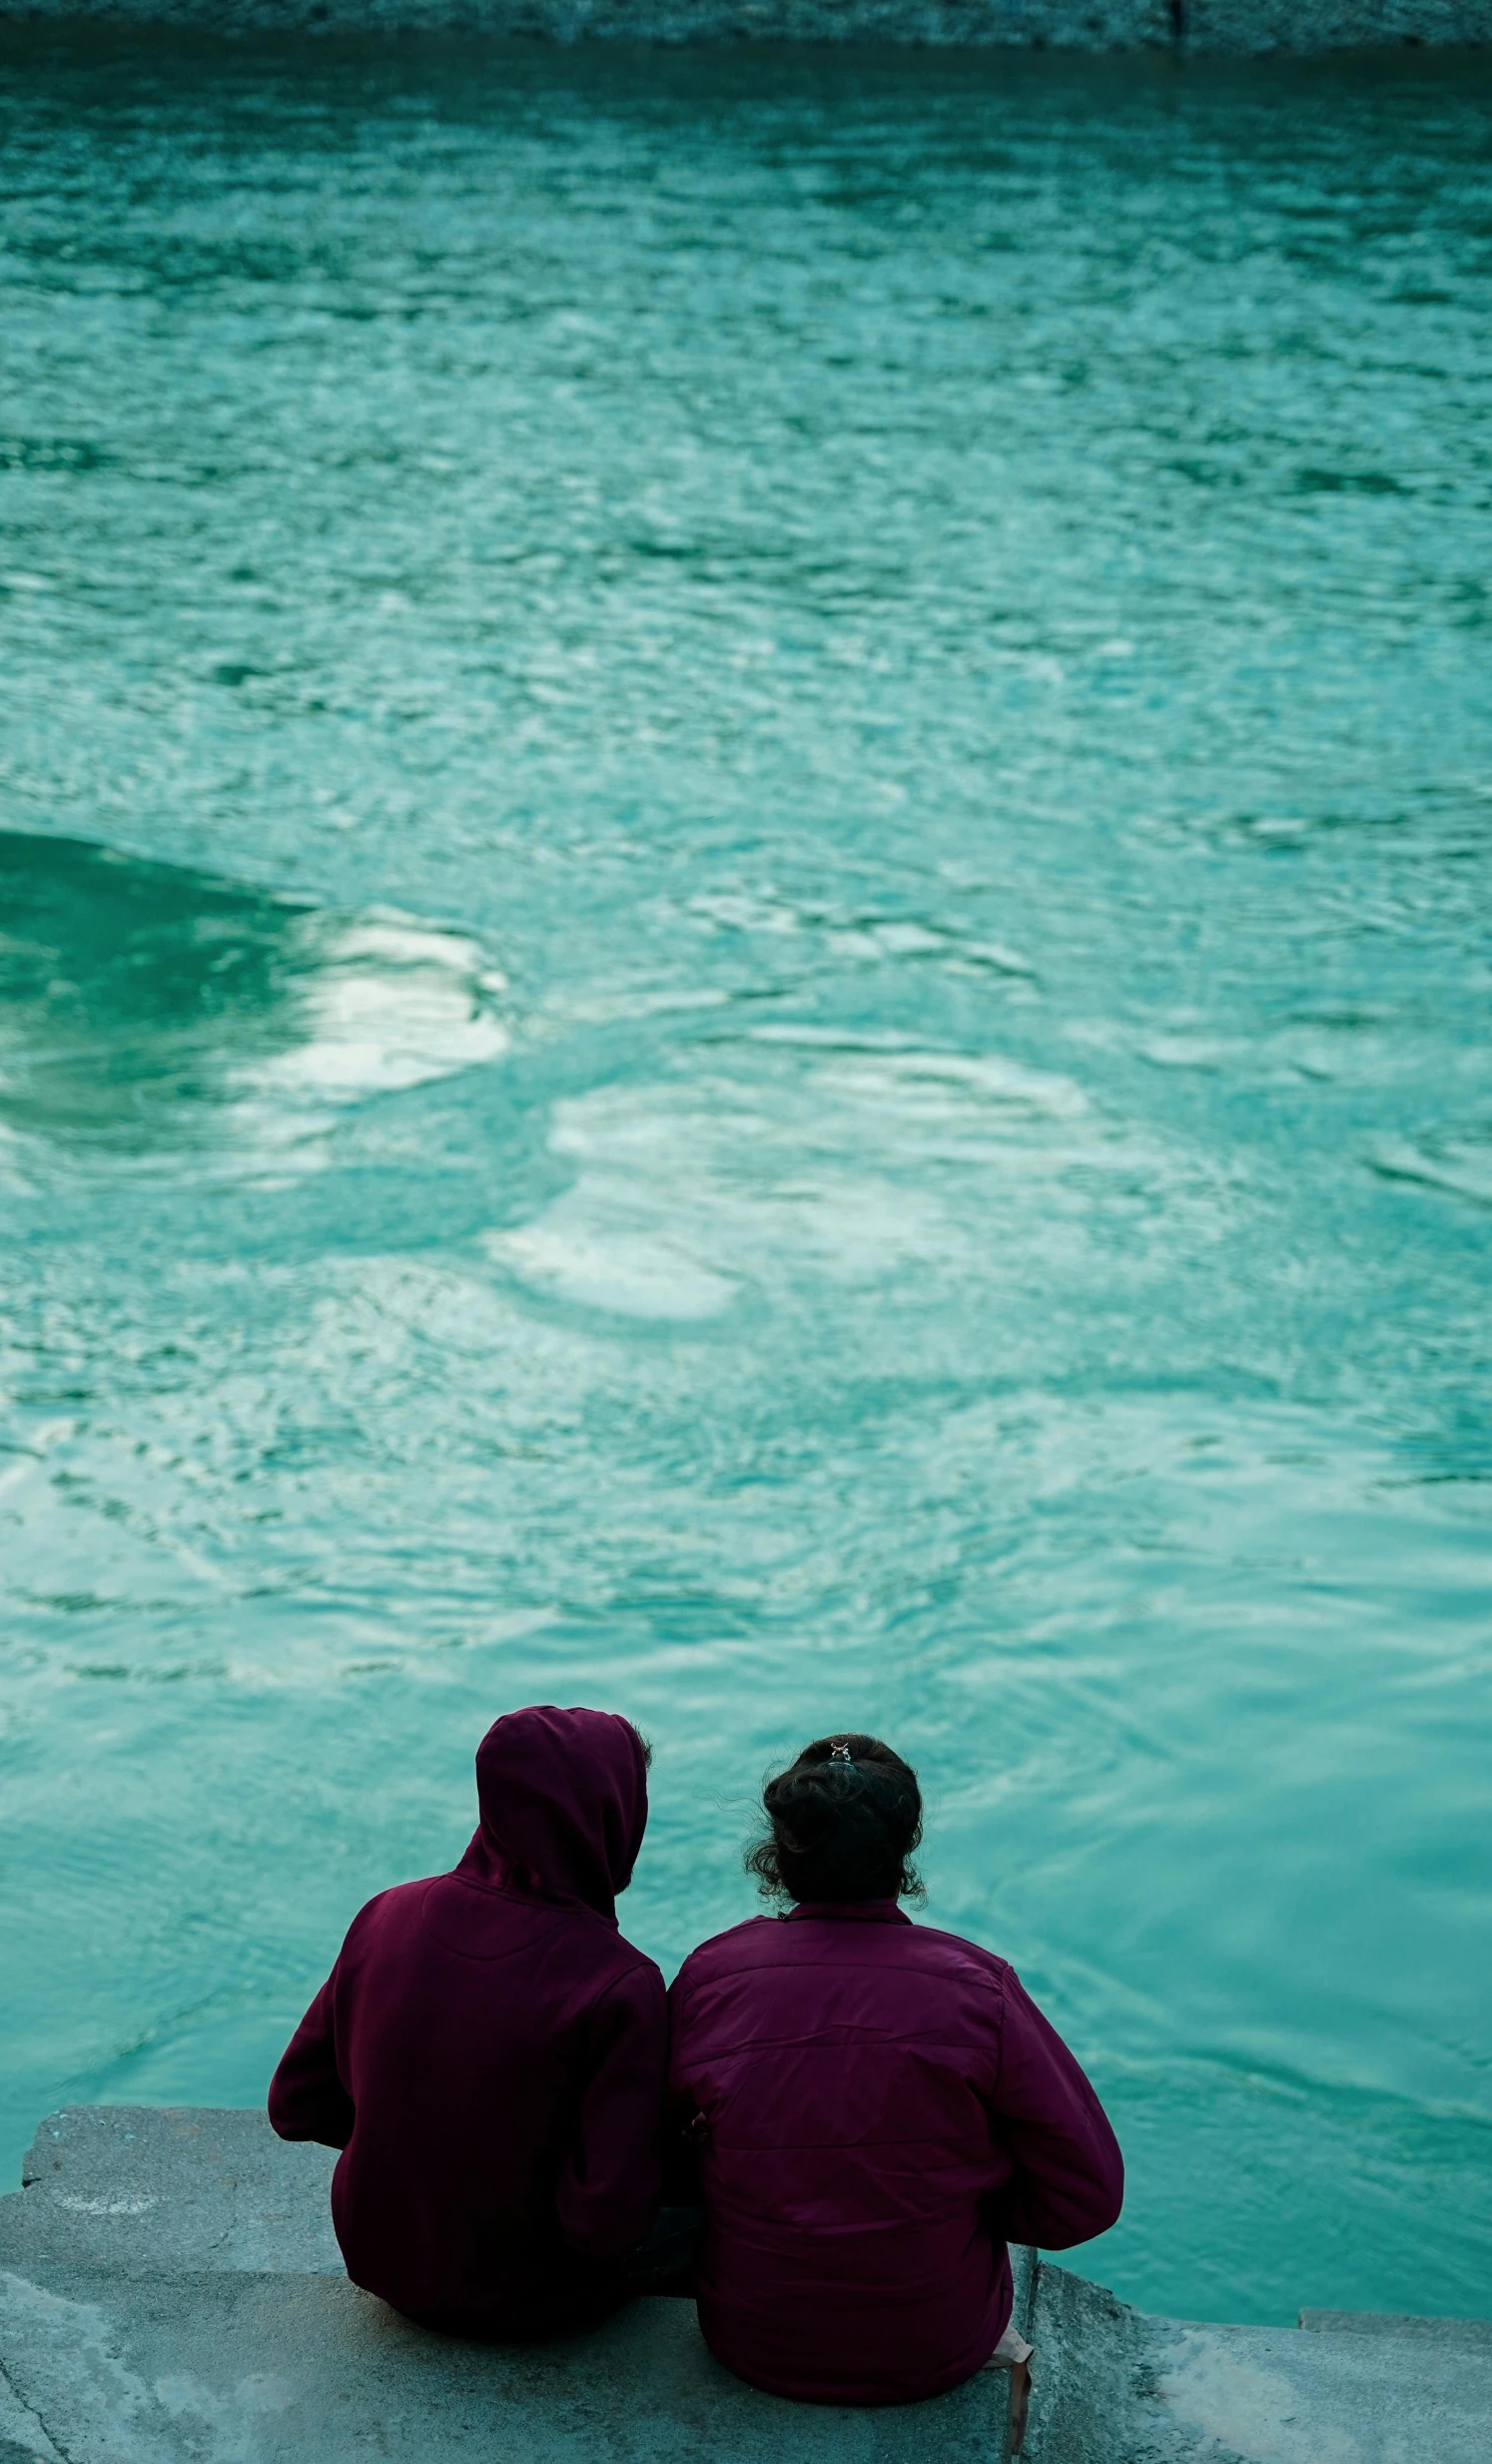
[(844, 1820)]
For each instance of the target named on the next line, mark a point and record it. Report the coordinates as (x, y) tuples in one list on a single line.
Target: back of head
[(844, 1820), (563, 1800)]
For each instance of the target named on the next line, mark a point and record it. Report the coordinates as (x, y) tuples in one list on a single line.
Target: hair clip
[(840, 1754)]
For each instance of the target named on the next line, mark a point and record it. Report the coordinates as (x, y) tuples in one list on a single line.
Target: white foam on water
[(389, 1004), (686, 1196), (576, 1254), (870, 1156), (146, 1008), (953, 1083)]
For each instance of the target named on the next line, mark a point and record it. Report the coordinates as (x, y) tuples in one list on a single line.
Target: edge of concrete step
[(171, 2292), (1403, 2325)]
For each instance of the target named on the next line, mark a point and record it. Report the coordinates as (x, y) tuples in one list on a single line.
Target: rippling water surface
[(744, 973)]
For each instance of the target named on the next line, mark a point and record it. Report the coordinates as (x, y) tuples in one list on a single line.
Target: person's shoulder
[(385, 1915), (628, 1962), (399, 1900), (955, 1955), (741, 1945), (394, 1902)]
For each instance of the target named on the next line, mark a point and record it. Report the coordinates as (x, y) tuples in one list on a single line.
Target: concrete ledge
[(1240, 26), (136, 2189), (1396, 2326), (170, 2293), (281, 2369), (1113, 2385)]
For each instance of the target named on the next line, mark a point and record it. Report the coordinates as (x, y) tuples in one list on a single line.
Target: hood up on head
[(564, 1799)]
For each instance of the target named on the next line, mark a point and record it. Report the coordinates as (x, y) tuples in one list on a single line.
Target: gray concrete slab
[(279, 2369), (124, 2342), (134, 2188), (1111, 2385), (1476, 2331), (170, 2293)]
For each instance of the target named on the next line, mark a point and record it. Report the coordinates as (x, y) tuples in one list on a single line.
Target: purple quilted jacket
[(880, 2109)]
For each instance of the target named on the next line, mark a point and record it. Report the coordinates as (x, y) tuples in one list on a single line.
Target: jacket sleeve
[(1068, 2178), (307, 2096), (684, 2131), (607, 2191)]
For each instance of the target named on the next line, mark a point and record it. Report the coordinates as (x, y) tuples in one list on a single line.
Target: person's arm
[(1068, 2179), (685, 2130), (607, 2193), (307, 2096), (680, 2145)]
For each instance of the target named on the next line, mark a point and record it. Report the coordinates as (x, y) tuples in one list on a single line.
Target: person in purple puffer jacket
[(875, 2110)]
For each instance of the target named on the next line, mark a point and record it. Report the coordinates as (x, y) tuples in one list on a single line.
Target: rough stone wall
[(1070, 24)]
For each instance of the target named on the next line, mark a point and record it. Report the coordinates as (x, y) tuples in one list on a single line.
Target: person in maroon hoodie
[(489, 2055), (876, 2109)]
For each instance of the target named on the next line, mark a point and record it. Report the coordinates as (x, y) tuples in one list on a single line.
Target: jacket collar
[(850, 1912)]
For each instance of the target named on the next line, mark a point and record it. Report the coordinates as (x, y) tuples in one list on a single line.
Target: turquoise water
[(745, 974)]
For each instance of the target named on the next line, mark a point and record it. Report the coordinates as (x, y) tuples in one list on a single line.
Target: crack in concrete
[(37, 2415)]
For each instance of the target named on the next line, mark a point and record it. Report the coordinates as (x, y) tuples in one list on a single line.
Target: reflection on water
[(139, 1001), (932, 613)]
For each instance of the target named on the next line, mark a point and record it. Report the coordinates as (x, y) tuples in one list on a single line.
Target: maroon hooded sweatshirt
[(489, 2055), (879, 2109)]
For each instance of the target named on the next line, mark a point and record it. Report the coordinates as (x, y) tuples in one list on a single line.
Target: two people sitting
[(866, 2110)]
